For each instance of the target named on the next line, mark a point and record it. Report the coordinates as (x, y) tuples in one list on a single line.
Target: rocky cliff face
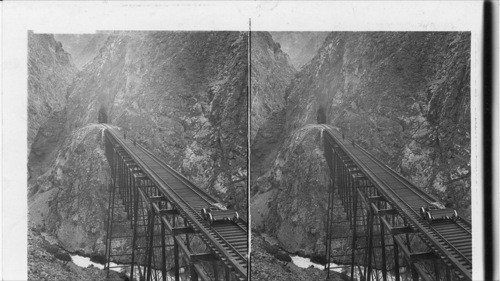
[(68, 173), (47, 262), (181, 94), (50, 72), (266, 265), (300, 46), (82, 47), (403, 96), (271, 74), (70, 199)]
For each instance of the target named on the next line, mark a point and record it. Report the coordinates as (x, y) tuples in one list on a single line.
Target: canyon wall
[(300, 46), (271, 74), (405, 96), (67, 170), (82, 47), (183, 95), (50, 72)]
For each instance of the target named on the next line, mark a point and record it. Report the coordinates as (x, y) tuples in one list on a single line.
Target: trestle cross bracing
[(155, 229), (388, 238)]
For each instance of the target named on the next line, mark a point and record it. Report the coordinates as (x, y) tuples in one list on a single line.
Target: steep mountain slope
[(181, 94), (70, 200), (47, 262), (300, 46), (50, 71), (61, 170), (271, 74), (403, 96), (82, 47), (266, 266)]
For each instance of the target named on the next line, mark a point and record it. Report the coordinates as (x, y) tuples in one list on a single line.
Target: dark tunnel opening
[(321, 115), (103, 116)]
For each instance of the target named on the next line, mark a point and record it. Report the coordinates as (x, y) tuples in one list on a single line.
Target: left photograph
[(137, 156)]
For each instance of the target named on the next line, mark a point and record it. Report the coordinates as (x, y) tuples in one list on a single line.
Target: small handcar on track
[(436, 212), (219, 213)]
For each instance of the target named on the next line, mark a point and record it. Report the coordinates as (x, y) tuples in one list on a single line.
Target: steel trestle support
[(390, 248), (146, 233)]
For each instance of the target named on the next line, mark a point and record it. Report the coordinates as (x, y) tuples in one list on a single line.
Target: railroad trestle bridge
[(388, 237), (155, 228)]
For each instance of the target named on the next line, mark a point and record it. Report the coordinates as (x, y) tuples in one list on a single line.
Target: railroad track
[(228, 240), (452, 241), (234, 233)]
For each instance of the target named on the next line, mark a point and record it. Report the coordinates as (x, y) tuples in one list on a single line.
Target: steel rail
[(242, 224), (467, 223), (195, 219), (403, 200), (423, 196), (407, 183), (417, 216), (202, 193), (415, 220), (187, 183), (180, 198), (197, 190), (417, 192), (194, 187)]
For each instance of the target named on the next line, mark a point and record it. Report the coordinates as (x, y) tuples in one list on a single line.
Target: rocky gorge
[(301, 47), (404, 96), (182, 95)]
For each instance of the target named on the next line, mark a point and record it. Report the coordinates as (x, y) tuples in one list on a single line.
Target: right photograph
[(360, 156)]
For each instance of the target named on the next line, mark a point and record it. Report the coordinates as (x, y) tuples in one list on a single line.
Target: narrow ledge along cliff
[(183, 95), (404, 96)]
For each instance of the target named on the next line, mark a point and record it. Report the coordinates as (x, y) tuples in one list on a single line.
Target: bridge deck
[(450, 240), (229, 240)]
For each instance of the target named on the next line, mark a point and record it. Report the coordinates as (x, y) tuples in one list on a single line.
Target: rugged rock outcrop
[(265, 265), (182, 95), (403, 96), (300, 46), (44, 149), (298, 181), (45, 263), (70, 200), (50, 72), (82, 47), (68, 173), (271, 74)]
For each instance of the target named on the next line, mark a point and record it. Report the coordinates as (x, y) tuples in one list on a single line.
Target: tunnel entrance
[(103, 116), (321, 115)]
